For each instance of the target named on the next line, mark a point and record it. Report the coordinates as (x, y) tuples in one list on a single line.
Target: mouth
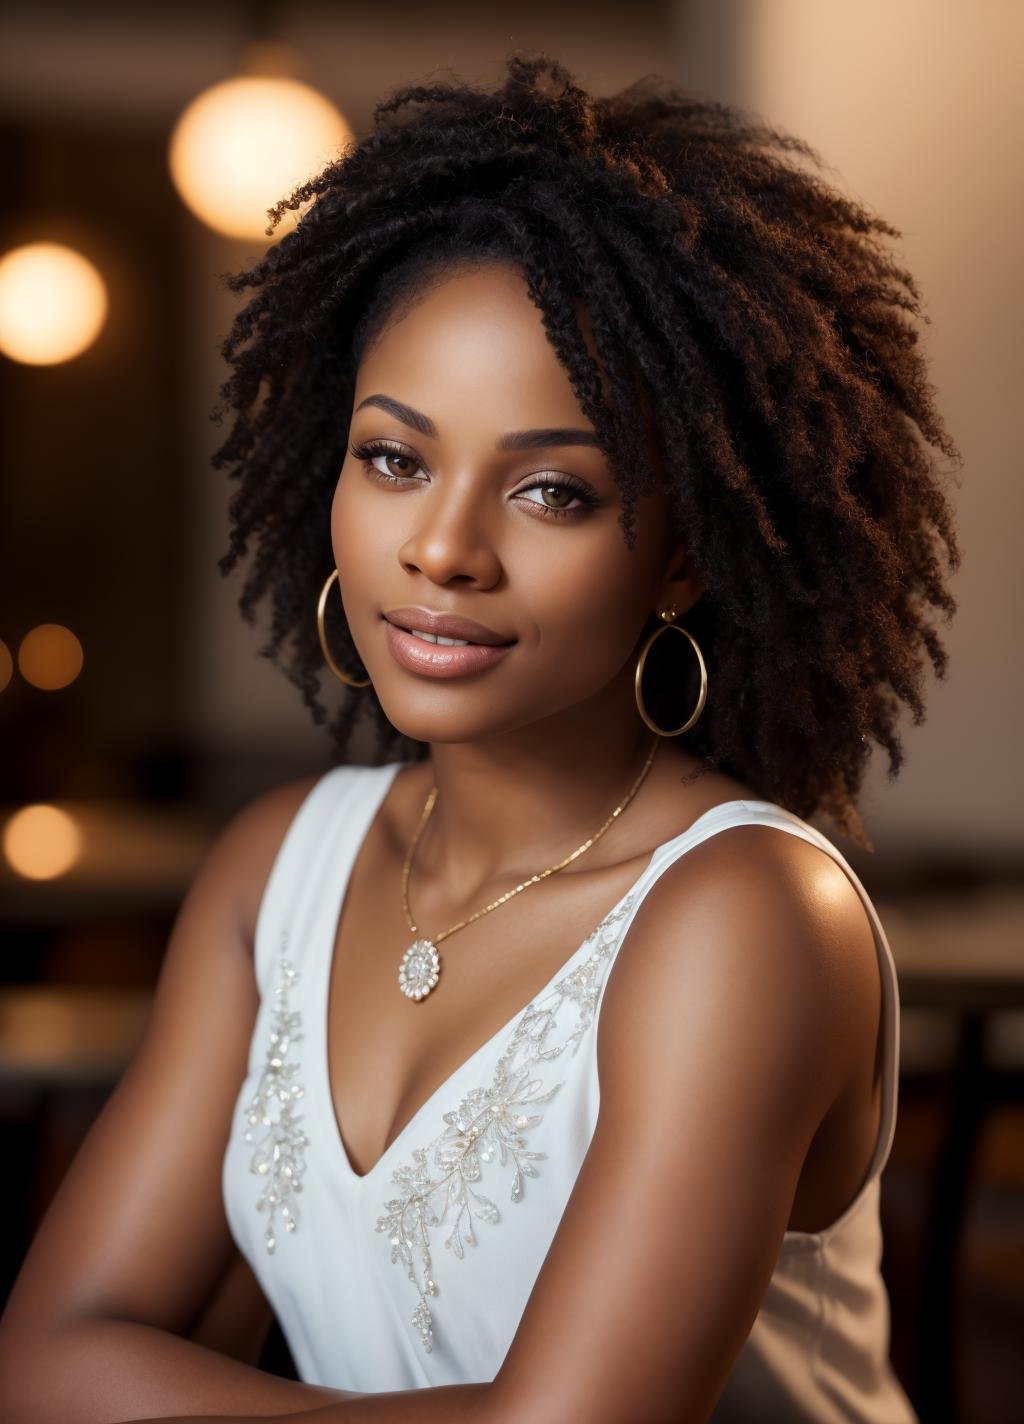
[(440, 641), (441, 656), (445, 629)]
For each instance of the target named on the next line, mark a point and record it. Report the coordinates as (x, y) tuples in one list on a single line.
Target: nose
[(451, 540)]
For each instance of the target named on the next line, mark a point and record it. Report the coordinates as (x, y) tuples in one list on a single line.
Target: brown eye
[(558, 498), (385, 462), (398, 464)]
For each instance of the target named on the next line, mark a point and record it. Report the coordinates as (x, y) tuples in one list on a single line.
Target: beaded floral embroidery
[(279, 1155), (489, 1122)]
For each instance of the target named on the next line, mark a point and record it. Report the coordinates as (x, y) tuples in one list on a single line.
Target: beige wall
[(917, 104)]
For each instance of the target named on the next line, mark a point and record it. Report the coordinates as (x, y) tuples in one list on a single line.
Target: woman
[(538, 381)]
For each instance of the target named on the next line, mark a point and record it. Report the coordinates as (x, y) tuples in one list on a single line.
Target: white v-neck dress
[(418, 1273)]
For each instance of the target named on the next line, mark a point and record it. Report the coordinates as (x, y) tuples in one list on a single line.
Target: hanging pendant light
[(242, 145), (53, 303)]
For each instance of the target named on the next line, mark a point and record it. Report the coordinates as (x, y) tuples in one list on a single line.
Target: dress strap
[(314, 858)]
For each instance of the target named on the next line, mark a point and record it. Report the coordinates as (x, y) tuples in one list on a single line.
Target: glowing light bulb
[(246, 143), (53, 303), (41, 842), (50, 657)]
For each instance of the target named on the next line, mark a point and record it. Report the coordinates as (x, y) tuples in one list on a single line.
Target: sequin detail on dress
[(279, 1155), (489, 1123)]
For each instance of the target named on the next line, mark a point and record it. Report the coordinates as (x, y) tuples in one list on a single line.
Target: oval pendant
[(420, 969)]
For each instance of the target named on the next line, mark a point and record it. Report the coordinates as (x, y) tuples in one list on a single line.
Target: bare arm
[(132, 1299), (237, 1317), (734, 1014)]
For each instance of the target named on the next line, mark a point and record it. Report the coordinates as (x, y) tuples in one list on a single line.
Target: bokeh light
[(50, 657), (41, 842), (247, 142), (6, 665), (53, 303)]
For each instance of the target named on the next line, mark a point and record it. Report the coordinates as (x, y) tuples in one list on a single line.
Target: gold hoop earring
[(669, 622), (328, 657)]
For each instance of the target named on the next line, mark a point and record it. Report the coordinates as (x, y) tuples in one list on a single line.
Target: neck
[(512, 805)]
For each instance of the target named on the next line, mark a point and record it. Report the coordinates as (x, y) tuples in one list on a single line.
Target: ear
[(681, 586)]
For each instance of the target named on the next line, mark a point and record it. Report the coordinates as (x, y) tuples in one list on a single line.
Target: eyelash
[(370, 449)]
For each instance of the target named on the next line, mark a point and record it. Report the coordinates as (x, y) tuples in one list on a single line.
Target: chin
[(444, 725)]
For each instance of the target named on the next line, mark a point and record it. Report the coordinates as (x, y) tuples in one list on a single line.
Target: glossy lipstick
[(447, 625), (439, 659)]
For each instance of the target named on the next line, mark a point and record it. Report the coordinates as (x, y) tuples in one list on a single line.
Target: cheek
[(356, 556), (350, 529), (586, 599)]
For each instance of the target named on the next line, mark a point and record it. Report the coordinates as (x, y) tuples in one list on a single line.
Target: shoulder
[(243, 852), (758, 940)]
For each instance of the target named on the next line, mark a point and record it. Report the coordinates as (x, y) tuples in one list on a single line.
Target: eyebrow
[(513, 440)]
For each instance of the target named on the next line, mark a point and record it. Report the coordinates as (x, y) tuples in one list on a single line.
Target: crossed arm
[(733, 1017)]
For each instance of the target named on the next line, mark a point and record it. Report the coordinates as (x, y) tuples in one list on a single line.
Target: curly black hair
[(749, 307)]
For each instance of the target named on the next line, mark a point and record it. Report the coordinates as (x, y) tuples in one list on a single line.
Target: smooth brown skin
[(738, 1044)]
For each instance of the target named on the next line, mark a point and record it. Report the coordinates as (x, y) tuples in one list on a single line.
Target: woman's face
[(445, 512)]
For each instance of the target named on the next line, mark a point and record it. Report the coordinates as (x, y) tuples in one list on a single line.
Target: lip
[(434, 660), (446, 625)]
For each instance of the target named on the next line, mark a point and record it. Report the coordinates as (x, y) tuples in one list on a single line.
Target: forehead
[(472, 344)]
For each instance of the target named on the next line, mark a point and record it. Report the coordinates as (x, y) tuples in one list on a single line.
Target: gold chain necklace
[(421, 964)]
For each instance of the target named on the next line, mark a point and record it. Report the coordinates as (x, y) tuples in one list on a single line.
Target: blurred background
[(136, 712)]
